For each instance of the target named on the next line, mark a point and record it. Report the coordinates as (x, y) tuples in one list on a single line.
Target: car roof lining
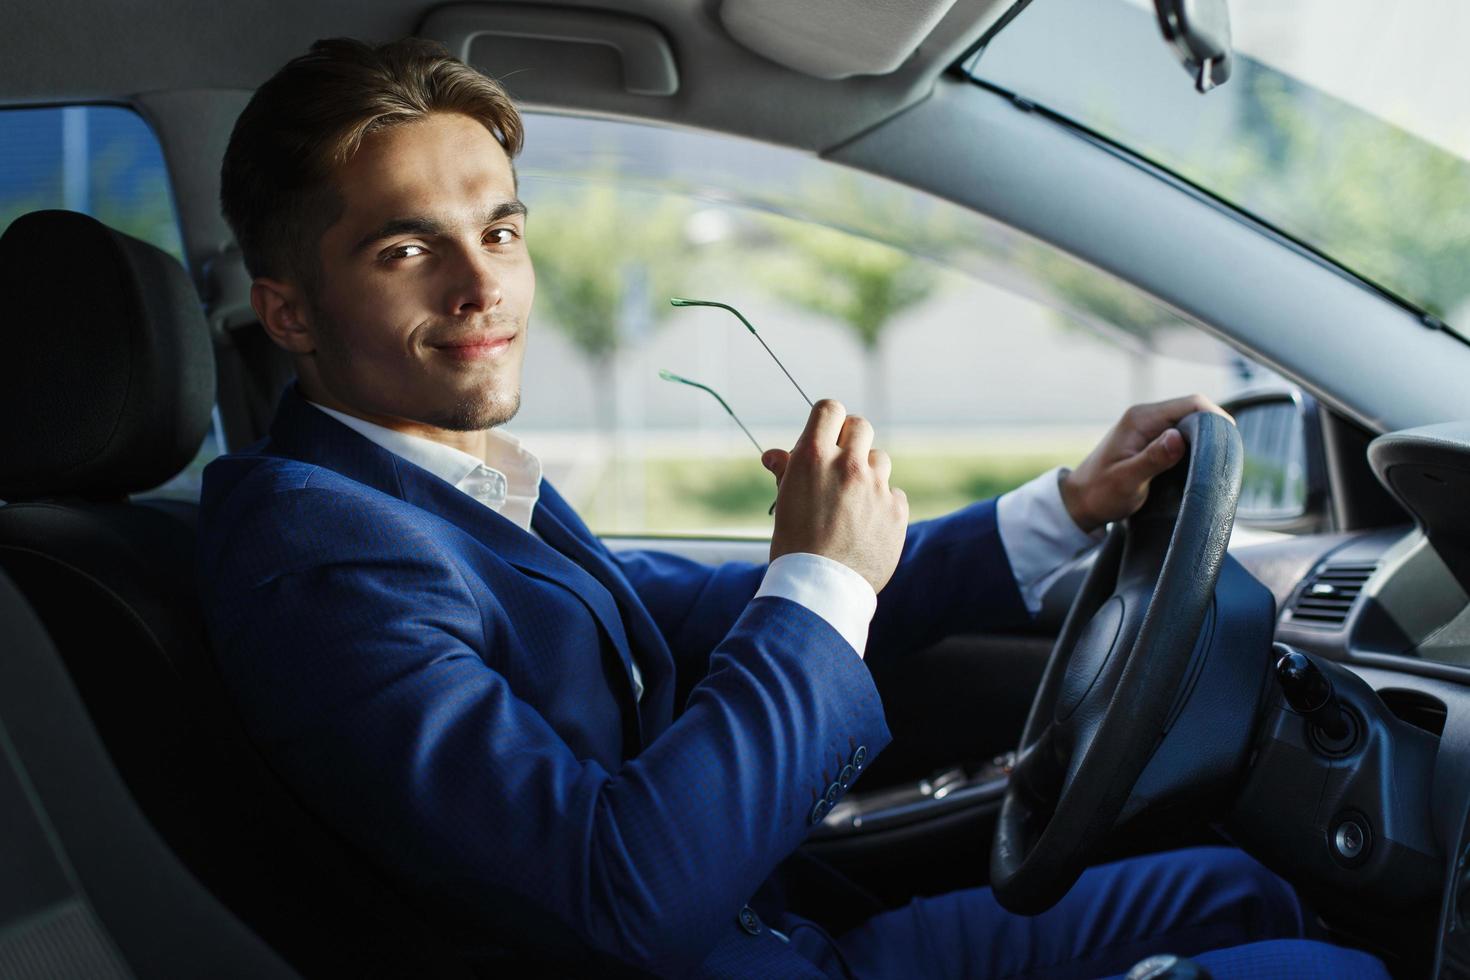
[(178, 45), (866, 39)]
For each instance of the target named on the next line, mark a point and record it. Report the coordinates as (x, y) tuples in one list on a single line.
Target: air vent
[(1328, 596)]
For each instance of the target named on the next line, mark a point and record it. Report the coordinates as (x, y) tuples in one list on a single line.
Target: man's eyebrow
[(504, 210), (426, 226)]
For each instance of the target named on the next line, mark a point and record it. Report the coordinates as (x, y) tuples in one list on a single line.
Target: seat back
[(88, 888), (111, 399)]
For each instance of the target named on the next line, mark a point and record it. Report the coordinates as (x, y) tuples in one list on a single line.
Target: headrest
[(107, 378), (226, 285)]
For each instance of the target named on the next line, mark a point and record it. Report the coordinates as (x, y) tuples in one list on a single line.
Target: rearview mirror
[(1199, 33)]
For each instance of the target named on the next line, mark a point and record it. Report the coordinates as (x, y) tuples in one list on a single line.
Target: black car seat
[(106, 390), (87, 888)]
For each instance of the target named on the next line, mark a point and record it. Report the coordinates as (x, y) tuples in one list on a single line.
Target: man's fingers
[(1160, 454), (1152, 419), (856, 436), (881, 464), (824, 423), (775, 460)]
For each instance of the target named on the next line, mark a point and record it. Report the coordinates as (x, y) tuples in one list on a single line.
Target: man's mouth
[(477, 347)]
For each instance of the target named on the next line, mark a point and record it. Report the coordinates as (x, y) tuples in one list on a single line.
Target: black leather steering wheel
[(1114, 677)]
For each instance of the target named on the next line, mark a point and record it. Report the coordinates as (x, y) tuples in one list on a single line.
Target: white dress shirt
[(1039, 536), (1035, 529), (507, 480)]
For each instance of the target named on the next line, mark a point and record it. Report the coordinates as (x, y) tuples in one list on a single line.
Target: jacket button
[(834, 793), (819, 812), (847, 775), (749, 921), (860, 757)]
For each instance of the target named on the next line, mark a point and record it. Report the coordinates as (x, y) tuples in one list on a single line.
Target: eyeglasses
[(671, 376)]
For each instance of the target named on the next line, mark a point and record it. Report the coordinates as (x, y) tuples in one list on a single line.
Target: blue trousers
[(1214, 905)]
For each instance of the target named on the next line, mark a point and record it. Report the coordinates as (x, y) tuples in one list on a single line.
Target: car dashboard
[(1391, 606)]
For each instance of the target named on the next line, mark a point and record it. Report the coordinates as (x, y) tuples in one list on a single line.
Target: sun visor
[(834, 38), (544, 52)]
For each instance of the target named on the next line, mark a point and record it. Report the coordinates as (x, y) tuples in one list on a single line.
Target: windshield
[(1344, 124)]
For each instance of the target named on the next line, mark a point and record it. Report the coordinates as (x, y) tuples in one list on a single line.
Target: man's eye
[(501, 236), (404, 252)]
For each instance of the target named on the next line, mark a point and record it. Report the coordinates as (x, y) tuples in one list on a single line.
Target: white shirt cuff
[(828, 588), (1039, 536)]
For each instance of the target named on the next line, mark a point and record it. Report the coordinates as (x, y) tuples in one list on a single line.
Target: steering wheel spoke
[(1040, 772)]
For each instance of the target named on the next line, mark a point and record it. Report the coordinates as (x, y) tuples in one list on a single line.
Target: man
[(448, 667)]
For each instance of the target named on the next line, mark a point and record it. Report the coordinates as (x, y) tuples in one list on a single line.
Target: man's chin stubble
[(478, 414)]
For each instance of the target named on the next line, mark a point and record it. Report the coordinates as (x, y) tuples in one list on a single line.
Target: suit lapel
[(302, 432), (555, 521)]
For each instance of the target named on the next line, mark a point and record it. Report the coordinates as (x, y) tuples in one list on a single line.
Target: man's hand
[(1112, 481), (833, 496)]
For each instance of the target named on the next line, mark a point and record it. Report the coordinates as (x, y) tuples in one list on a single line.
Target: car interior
[(1310, 694)]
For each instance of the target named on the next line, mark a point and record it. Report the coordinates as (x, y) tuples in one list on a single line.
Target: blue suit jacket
[(454, 696)]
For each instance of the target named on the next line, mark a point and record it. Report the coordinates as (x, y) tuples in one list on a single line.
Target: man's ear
[(281, 309)]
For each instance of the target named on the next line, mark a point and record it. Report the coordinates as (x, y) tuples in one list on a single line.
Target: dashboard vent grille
[(1328, 596)]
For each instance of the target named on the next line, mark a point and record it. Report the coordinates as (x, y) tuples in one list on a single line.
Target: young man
[(449, 668)]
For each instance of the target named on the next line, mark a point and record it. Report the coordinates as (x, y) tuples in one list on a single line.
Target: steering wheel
[(1112, 683)]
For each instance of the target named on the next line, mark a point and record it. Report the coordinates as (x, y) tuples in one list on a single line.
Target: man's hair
[(301, 126)]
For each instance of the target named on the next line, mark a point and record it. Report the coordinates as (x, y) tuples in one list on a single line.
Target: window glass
[(106, 162), (1344, 122), (983, 357), (99, 160)]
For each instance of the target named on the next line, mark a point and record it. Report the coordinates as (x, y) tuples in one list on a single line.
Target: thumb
[(1155, 458), (775, 460)]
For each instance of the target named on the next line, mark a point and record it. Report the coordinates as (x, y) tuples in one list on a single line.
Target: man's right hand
[(833, 496)]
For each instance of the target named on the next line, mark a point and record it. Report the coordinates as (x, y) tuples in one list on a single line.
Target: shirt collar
[(510, 486)]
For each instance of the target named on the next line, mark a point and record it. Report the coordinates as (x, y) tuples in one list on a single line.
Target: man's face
[(426, 284)]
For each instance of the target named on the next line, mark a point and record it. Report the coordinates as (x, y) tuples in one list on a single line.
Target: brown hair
[(311, 117)]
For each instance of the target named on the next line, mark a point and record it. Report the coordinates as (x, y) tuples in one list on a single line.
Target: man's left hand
[(1112, 482)]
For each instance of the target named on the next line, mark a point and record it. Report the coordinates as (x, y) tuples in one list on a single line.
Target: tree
[(1375, 197), (1078, 293), (603, 255), (1381, 200), (862, 283)]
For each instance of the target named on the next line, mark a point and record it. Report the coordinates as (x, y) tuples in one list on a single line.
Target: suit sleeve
[(349, 638), (954, 577), (695, 605)]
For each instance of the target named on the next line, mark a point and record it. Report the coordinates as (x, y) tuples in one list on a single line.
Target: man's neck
[(466, 442)]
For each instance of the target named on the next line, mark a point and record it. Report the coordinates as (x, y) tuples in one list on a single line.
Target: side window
[(106, 162), (983, 357), (99, 160)]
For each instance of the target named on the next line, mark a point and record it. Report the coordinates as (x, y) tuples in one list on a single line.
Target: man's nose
[(474, 283)]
